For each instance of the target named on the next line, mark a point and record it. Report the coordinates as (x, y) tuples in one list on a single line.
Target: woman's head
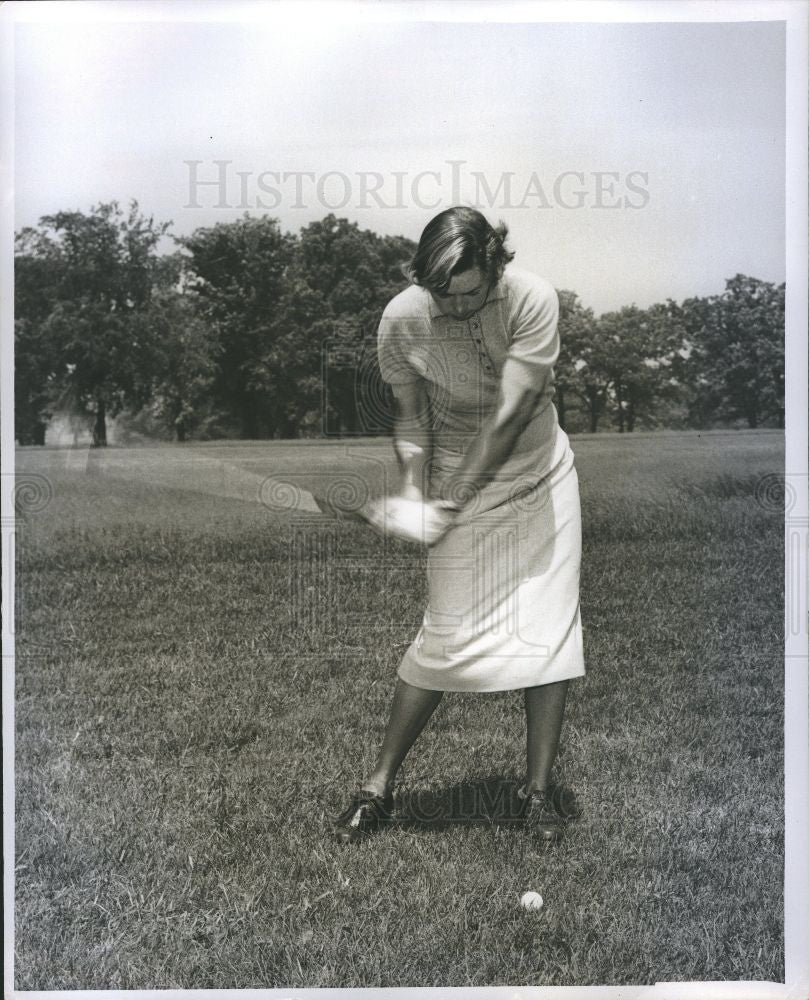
[(458, 241)]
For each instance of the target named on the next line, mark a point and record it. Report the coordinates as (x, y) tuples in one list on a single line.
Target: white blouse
[(513, 335)]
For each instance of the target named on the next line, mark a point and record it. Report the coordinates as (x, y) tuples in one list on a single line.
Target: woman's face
[(465, 295)]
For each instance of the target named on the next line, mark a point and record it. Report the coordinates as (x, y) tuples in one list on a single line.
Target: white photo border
[(795, 13)]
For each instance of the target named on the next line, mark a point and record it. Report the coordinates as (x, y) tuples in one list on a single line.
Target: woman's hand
[(412, 520)]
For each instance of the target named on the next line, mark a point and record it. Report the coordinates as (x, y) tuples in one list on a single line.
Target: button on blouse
[(461, 363)]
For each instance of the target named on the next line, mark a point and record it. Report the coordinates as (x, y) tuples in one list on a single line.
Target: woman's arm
[(412, 438), (516, 403)]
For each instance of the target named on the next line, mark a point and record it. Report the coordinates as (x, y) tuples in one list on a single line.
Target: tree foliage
[(237, 275), (252, 331), (735, 345), (353, 273), (276, 301), (637, 348), (90, 328), (186, 366)]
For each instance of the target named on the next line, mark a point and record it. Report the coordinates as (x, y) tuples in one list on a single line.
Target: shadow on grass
[(486, 801), (491, 801)]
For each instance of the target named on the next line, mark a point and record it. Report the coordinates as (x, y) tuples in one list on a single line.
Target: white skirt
[(503, 609)]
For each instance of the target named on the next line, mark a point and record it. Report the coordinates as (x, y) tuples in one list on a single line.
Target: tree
[(186, 355), (735, 344), (353, 273), (576, 327), (238, 274), (87, 337), (32, 375), (582, 371), (277, 302), (638, 345), (35, 281), (287, 370)]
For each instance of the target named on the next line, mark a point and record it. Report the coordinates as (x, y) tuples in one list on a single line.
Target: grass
[(200, 682)]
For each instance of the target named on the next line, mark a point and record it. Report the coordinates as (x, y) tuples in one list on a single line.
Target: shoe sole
[(351, 835)]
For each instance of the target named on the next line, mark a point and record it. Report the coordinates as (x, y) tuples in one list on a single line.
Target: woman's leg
[(544, 711), (411, 709)]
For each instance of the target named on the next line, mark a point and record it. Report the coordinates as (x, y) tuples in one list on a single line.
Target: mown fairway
[(200, 683)]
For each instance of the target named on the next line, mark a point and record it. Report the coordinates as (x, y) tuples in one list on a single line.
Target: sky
[(632, 162)]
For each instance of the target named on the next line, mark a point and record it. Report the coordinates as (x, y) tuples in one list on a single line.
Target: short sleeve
[(394, 350), (534, 341)]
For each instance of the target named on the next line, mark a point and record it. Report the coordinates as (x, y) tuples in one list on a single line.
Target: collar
[(498, 292)]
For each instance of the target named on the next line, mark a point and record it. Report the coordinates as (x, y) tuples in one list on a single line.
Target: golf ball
[(531, 901)]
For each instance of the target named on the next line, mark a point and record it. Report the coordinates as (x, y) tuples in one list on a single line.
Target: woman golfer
[(468, 350)]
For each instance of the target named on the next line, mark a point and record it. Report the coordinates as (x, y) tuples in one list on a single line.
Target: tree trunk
[(181, 431), (560, 406), (592, 401), (100, 425), (630, 415), (40, 428), (619, 400)]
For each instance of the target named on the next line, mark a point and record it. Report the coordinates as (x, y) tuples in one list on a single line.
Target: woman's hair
[(455, 241)]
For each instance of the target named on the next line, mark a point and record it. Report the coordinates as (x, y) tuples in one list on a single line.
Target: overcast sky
[(646, 161)]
